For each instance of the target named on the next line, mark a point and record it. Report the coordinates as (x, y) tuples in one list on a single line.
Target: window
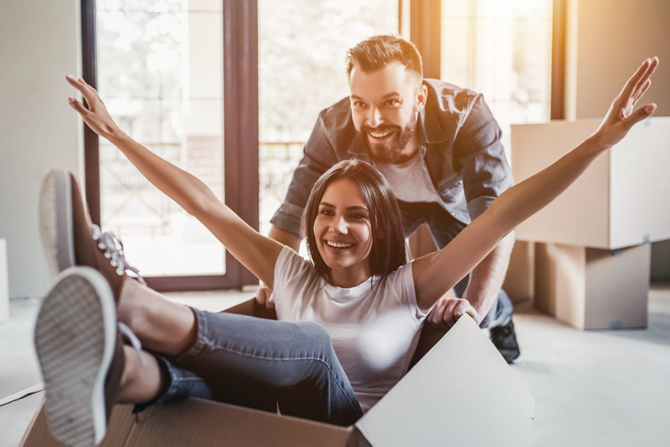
[(501, 48), (163, 68), (160, 72), (302, 47)]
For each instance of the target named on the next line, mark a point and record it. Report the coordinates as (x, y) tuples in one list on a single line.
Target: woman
[(370, 302)]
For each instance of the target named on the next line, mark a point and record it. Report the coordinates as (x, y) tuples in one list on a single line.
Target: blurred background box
[(590, 288), (520, 279), (619, 202)]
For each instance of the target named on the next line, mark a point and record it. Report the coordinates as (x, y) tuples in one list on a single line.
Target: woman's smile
[(344, 234), (337, 247)]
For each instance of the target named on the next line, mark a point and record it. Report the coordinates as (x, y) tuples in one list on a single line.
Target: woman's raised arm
[(436, 273), (258, 253)]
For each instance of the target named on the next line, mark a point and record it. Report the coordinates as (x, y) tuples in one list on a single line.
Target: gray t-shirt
[(410, 180)]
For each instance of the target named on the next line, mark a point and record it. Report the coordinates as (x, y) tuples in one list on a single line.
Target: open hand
[(96, 115), (620, 117), (447, 311)]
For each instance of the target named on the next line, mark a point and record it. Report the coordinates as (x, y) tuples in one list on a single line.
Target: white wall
[(611, 38), (39, 45)]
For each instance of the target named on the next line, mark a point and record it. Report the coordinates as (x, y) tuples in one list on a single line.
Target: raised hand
[(620, 117), (96, 115)]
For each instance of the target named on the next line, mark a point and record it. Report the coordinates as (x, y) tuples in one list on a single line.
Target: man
[(439, 147)]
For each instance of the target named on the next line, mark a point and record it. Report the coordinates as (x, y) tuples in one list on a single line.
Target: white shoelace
[(132, 338), (114, 252)]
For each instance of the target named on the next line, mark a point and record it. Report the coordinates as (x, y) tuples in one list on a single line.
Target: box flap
[(462, 393), (201, 423)]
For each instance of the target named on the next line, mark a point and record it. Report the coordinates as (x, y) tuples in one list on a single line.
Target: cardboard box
[(519, 280), (620, 201), (582, 276), (4, 282), (589, 288), (462, 393)]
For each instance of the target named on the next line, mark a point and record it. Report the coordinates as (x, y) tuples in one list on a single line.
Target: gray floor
[(597, 388)]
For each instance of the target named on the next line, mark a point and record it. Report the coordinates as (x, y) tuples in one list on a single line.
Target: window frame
[(240, 110)]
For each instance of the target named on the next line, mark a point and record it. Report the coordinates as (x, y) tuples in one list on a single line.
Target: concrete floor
[(596, 388)]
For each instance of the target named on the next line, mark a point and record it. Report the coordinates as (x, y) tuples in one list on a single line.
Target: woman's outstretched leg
[(142, 379), (85, 364), (250, 361), (70, 239), (161, 325)]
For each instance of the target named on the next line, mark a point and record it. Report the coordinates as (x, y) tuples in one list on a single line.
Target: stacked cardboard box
[(592, 269)]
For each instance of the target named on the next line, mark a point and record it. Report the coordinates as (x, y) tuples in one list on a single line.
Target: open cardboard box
[(461, 393)]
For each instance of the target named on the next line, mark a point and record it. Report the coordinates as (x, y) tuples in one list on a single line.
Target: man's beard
[(390, 151)]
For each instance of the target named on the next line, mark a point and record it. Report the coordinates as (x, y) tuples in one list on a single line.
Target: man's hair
[(377, 52)]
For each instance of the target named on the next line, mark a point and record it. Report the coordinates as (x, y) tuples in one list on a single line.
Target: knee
[(316, 339), (314, 332)]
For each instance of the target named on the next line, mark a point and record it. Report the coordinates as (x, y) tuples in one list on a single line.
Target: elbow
[(200, 202), (201, 205)]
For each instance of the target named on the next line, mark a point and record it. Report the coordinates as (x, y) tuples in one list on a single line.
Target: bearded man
[(439, 147)]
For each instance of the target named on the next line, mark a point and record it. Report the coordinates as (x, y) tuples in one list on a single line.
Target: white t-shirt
[(410, 181), (374, 334)]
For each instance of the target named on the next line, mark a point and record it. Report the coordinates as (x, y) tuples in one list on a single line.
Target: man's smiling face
[(385, 106)]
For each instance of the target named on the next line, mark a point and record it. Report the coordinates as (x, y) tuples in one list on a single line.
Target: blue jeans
[(262, 364), (443, 229)]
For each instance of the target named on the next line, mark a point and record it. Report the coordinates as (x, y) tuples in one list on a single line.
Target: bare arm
[(256, 252), (436, 273), (285, 238)]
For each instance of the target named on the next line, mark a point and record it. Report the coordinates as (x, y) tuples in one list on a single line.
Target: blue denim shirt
[(461, 149)]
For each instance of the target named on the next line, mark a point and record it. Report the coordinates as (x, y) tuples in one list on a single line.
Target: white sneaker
[(80, 355), (55, 219)]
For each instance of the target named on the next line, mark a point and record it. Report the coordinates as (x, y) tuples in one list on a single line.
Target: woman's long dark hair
[(389, 250)]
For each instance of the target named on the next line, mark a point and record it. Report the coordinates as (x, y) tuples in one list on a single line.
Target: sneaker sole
[(75, 337), (56, 228)]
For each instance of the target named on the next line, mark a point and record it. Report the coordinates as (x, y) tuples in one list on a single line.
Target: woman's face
[(343, 233)]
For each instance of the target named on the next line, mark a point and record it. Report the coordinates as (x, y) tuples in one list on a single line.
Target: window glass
[(501, 48), (160, 73), (302, 48)]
